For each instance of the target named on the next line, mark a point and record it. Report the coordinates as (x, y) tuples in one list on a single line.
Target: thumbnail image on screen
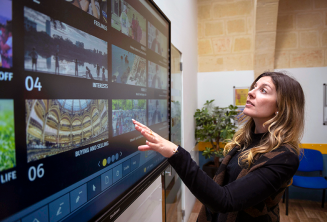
[(58, 125), (128, 68), (157, 111), (123, 111), (7, 135), (6, 34), (128, 21), (54, 47), (96, 8), (158, 76), (157, 41)]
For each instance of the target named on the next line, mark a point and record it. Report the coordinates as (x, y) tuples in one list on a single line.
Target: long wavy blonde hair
[(285, 128)]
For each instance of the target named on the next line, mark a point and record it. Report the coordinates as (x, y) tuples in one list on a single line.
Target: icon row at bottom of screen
[(71, 201)]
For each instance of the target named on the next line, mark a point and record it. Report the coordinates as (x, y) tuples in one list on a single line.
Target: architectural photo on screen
[(128, 68), (128, 21), (157, 42), (54, 47), (7, 135), (6, 54), (123, 111), (58, 125), (158, 76), (157, 112), (96, 8)]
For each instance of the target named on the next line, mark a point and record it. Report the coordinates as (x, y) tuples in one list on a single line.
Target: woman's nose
[(251, 93)]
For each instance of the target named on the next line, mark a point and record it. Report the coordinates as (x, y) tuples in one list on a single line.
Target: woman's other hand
[(154, 141)]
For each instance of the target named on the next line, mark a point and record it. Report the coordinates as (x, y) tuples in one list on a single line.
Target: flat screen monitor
[(73, 75)]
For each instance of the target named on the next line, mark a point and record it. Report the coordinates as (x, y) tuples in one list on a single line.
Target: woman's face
[(262, 100)]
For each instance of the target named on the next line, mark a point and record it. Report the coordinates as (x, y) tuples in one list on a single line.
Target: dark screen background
[(76, 74)]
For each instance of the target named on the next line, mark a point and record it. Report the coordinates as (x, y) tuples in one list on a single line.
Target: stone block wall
[(225, 35), (265, 35), (236, 35), (301, 39)]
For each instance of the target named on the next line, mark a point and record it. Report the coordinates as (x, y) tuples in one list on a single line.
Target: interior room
[(163, 110)]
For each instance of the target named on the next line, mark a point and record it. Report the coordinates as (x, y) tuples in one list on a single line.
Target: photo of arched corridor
[(59, 125)]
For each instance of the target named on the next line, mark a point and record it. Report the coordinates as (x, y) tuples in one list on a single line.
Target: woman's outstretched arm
[(238, 195)]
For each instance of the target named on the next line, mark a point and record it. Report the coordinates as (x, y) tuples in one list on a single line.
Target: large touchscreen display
[(73, 75)]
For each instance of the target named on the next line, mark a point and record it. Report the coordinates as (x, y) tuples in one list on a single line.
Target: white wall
[(219, 86), (183, 17), (312, 80)]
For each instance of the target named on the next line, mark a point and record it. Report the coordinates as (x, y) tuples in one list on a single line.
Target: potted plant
[(214, 124)]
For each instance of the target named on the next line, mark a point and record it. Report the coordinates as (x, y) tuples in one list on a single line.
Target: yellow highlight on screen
[(104, 162)]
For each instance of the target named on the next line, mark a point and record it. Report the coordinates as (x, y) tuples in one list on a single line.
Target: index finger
[(139, 124)]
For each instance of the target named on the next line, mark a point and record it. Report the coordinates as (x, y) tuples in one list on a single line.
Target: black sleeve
[(245, 192)]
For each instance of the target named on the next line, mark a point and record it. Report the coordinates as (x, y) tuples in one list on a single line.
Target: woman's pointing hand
[(154, 141)]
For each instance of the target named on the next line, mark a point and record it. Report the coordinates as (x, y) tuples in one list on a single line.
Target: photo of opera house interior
[(163, 110), (60, 125)]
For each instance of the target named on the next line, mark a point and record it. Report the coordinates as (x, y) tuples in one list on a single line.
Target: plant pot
[(210, 169)]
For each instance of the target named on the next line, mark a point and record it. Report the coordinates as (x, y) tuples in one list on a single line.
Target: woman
[(260, 161)]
